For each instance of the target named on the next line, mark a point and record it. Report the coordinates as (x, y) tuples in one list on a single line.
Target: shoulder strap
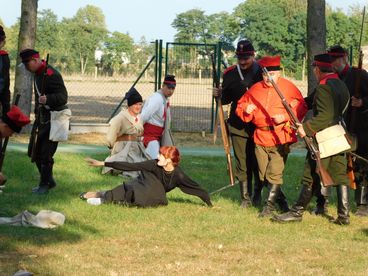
[(239, 72)]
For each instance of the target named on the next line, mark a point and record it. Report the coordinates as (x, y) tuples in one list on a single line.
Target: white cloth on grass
[(44, 219)]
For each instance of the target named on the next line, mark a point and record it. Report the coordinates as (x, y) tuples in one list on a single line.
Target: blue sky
[(149, 18)]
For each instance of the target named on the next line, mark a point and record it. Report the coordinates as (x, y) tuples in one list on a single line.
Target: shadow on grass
[(71, 232), (17, 197), (185, 200), (14, 238), (365, 231)]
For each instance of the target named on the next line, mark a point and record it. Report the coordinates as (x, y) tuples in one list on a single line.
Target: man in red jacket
[(273, 135)]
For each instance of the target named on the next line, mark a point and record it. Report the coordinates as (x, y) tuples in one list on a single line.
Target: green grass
[(184, 237)]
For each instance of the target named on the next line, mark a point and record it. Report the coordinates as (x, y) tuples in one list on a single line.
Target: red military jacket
[(269, 104)]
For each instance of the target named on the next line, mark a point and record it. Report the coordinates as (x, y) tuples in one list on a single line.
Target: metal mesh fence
[(192, 102), (93, 99)]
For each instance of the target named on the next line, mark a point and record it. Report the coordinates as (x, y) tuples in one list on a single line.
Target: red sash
[(151, 133)]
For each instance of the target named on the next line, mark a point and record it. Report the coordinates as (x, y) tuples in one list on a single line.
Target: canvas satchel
[(60, 125), (332, 140)]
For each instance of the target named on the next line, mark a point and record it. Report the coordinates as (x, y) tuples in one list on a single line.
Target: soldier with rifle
[(356, 79), (330, 100), (273, 134), (237, 79), (50, 95)]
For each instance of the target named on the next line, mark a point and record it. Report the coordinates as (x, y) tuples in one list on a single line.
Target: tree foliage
[(118, 50), (85, 32), (276, 27)]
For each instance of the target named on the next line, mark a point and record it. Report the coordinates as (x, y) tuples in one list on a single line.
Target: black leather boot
[(322, 205), (282, 202), (45, 173), (257, 194), (52, 182), (246, 202), (322, 202), (342, 205), (296, 212), (361, 194), (271, 200)]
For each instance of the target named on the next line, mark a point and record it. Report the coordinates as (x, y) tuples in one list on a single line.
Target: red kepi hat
[(28, 54), (336, 51), (15, 119), (170, 81), (322, 61), (270, 63)]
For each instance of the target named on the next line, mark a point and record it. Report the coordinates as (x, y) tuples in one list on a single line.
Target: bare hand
[(250, 108), (42, 99), (217, 91), (278, 118), (300, 131), (356, 102), (94, 163)]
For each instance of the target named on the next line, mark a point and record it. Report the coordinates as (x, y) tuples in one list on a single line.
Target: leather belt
[(271, 128), (129, 137)]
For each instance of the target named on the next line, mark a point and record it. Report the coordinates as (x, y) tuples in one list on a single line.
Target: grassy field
[(185, 237)]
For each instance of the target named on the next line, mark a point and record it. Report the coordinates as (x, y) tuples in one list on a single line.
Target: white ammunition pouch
[(332, 140), (60, 125)]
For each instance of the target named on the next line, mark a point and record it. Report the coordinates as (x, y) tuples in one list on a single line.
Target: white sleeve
[(149, 108)]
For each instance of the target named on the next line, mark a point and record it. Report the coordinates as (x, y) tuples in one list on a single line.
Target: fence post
[(167, 58), (156, 65), (159, 65)]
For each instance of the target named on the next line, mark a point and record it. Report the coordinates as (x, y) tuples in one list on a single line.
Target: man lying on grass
[(149, 189)]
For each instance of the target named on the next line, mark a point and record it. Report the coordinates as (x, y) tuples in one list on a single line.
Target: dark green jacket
[(329, 99)]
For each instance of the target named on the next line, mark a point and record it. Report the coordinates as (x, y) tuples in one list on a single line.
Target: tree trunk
[(26, 39), (316, 36)]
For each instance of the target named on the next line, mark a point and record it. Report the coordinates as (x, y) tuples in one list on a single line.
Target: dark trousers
[(43, 154), (246, 163), (122, 194)]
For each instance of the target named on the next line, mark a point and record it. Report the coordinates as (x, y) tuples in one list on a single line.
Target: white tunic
[(154, 109), (153, 112)]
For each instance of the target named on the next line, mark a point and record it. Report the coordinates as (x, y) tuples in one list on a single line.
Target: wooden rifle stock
[(350, 172), (224, 132), (324, 175), (314, 152), (225, 140), (217, 118)]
